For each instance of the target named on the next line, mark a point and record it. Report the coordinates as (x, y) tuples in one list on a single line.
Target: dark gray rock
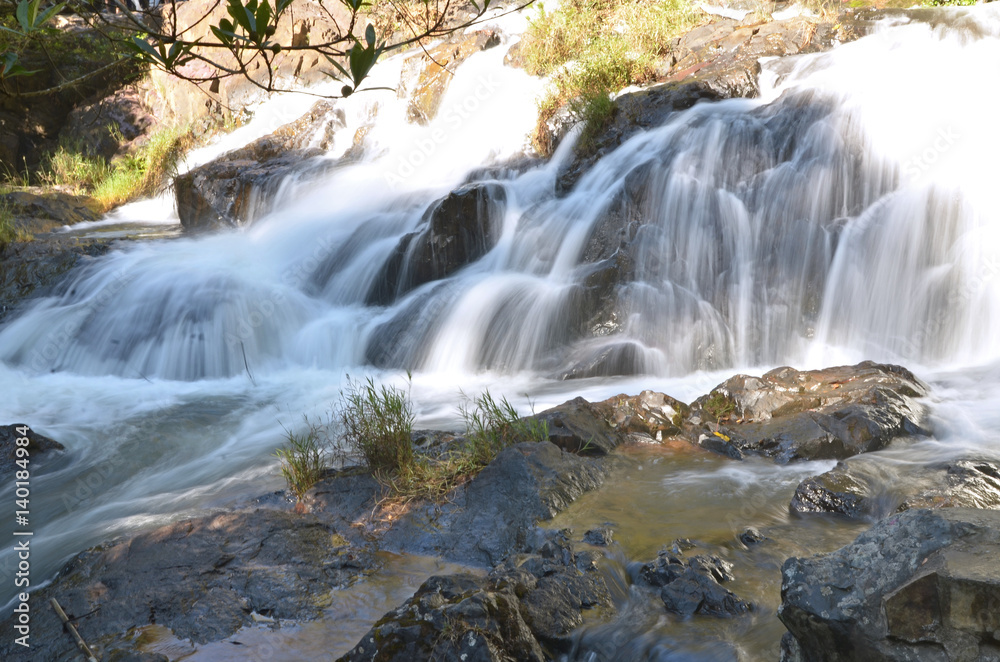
[(692, 586), (601, 537), (920, 586), (492, 515), (457, 230), (824, 414), (525, 609), (752, 536), (581, 427), (865, 488), (38, 445), (201, 578)]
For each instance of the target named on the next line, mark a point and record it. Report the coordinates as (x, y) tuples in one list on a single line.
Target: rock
[(601, 537), (922, 585), (36, 268), (491, 516), (790, 415), (179, 102), (525, 609), (451, 618), (106, 127), (201, 578), (456, 231), (581, 427), (865, 488), (752, 536), (652, 415), (691, 586), (236, 188), (37, 210), (434, 70), (37, 445)]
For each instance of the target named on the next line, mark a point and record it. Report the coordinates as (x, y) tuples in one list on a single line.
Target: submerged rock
[(867, 488), (824, 414), (922, 585)]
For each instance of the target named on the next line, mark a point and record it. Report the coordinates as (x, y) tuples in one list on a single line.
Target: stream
[(851, 212)]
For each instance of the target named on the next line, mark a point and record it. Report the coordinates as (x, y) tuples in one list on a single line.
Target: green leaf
[(23, 8), (52, 11), (370, 35), (263, 15)]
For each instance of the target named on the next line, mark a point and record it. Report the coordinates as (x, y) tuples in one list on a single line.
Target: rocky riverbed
[(528, 589)]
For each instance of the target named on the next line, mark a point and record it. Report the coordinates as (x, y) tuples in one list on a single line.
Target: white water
[(848, 214)]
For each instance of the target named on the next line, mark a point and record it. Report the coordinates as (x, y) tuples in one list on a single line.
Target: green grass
[(593, 48), (492, 425), (377, 423), (303, 459), (9, 232), (718, 406), (138, 174)]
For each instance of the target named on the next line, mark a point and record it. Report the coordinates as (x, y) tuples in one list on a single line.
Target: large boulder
[(920, 586), (236, 188), (791, 415), (865, 488), (456, 231), (203, 579)]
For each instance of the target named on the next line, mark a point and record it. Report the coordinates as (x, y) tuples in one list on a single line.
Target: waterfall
[(849, 213)]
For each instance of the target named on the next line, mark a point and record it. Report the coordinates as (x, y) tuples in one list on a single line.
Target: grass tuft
[(303, 459), (9, 232), (377, 423), (492, 425), (593, 48)]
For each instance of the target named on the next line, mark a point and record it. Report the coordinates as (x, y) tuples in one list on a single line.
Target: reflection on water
[(355, 608)]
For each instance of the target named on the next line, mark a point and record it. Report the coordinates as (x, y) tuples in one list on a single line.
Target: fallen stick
[(72, 630)]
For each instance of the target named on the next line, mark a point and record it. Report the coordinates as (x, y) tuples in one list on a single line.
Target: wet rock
[(458, 230), (426, 76), (36, 268), (752, 536), (452, 618), (37, 445), (922, 585), (692, 586), (525, 609), (201, 578), (236, 188), (492, 515), (864, 488), (582, 427), (792, 415), (39, 210), (601, 537)]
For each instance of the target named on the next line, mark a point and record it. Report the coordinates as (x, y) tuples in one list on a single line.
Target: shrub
[(377, 423)]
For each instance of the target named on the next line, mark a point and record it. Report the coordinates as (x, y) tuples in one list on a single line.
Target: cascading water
[(847, 214)]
